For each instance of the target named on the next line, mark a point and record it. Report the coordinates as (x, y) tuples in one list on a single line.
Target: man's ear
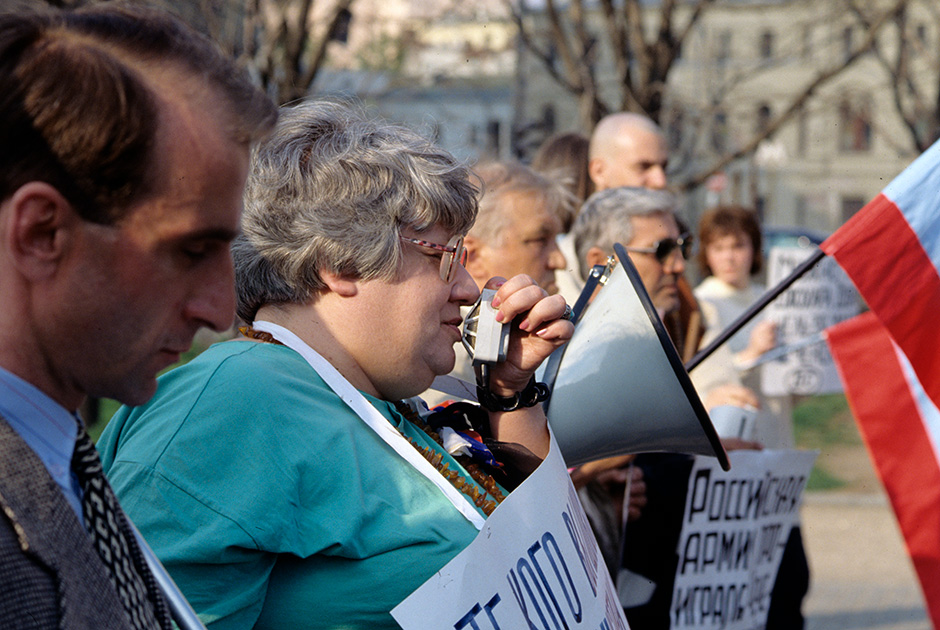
[(476, 260), (596, 168), (340, 284), (38, 228), (595, 256)]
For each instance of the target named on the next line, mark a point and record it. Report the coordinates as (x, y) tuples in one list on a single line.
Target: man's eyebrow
[(211, 234)]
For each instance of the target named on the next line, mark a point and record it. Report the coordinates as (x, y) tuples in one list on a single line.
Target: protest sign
[(821, 298), (535, 564), (734, 530)]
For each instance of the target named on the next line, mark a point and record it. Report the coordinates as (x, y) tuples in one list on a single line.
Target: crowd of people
[(148, 189)]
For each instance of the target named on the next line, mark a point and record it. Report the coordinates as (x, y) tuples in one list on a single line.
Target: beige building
[(454, 68), (743, 65)]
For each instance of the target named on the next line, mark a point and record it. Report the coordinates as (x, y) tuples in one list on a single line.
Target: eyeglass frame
[(453, 254), (682, 243)]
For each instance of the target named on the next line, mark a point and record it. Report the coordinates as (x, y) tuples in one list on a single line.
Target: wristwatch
[(531, 395)]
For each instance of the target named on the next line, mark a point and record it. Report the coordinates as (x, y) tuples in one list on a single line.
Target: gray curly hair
[(504, 178), (605, 218), (331, 190)]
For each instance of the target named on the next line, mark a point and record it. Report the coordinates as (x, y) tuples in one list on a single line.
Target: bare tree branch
[(797, 103)]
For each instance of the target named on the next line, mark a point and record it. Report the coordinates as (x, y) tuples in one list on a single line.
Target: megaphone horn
[(619, 386)]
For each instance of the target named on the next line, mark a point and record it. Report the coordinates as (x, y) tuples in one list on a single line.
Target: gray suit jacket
[(50, 574)]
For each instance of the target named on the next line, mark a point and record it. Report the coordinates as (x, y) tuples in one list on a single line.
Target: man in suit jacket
[(125, 149)]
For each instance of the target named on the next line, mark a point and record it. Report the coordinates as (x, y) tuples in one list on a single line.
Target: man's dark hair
[(78, 108)]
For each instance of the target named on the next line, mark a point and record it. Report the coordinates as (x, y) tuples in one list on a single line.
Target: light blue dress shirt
[(47, 427)]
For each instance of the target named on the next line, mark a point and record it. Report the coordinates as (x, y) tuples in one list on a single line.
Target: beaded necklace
[(433, 457)]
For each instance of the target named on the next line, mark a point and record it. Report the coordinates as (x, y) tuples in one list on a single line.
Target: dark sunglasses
[(664, 248)]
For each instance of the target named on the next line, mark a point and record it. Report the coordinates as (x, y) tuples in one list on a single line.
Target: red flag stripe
[(886, 261), (897, 440)]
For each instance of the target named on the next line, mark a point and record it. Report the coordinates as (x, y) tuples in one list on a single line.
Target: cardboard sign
[(535, 564), (823, 297), (734, 530)]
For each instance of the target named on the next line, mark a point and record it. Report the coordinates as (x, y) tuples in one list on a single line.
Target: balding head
[(627, 149)]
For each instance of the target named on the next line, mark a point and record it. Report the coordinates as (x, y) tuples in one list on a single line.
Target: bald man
[(627, 149)]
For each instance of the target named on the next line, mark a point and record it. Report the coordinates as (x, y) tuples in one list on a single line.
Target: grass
[(825, 420), (825, 423)]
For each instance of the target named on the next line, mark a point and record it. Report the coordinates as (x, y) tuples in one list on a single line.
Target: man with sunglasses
[(644, 221)]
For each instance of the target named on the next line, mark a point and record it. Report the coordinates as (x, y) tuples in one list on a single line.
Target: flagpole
[(755, 308)]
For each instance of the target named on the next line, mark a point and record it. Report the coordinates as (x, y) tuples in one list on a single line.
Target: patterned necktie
[(114, 541)]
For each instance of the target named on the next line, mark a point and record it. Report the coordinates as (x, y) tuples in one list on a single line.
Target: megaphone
[(618, 386)]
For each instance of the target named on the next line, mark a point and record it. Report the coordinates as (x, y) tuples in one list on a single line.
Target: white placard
[(734, 530), (535, 564), (823, 297)]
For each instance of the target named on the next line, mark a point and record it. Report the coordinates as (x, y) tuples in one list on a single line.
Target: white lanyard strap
[(371, 416)]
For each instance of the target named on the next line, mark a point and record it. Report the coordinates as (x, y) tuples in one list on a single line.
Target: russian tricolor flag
[(889, 359), (901, 428), (891, 251)]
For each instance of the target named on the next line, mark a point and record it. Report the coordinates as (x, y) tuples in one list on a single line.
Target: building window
[(800, 215), (674, 129), (851, 205), (920, 33), (763, 118), (723, 54), (552, 57), (341, 32), (802, 133), (854, 126), (847, 41), (492, 137), (720, 131), (767, 45), (548, 119), (925, 125)]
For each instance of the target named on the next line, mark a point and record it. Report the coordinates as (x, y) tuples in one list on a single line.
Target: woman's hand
[(763, 338), (537, 330)]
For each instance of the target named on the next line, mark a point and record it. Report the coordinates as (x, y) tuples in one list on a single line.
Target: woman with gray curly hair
[(282, 478)]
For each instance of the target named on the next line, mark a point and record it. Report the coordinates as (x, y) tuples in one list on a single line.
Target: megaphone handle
[(587, 292), (625, 511)]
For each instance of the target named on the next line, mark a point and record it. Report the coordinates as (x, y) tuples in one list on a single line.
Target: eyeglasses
[(454, 254), (664, 248)]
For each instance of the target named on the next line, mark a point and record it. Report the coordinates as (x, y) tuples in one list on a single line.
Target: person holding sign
[(284, 478), (730, 255)]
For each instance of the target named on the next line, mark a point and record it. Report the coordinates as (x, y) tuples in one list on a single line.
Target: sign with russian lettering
[(734, 530), (535, 564), (822, 298)]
